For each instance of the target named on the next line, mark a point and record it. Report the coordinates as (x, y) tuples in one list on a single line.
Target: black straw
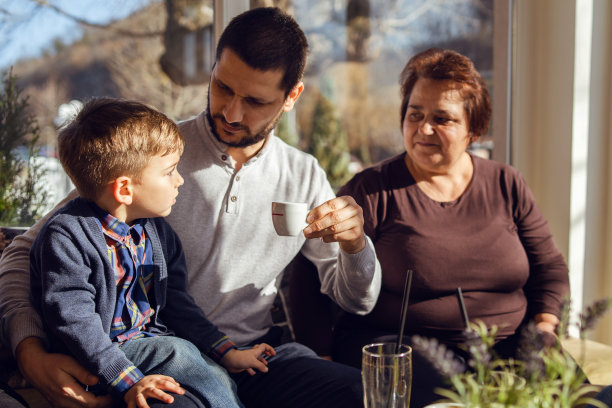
[(407, 285), (464, 315)]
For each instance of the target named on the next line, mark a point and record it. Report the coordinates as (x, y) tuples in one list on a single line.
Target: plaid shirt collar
[(119, 230)]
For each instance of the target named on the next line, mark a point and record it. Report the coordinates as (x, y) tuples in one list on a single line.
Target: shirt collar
[(116, 229)]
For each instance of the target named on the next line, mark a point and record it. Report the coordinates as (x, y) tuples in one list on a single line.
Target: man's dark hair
[(267, 38)]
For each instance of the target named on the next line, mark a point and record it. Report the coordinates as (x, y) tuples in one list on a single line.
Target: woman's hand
[(547, 324), (152, 386), (57, 376), (236, 361)]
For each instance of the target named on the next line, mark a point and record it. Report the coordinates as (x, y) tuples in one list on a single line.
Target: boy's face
[(155, 191)]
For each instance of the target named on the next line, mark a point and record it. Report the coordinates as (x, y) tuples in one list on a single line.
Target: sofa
[(594, 358)]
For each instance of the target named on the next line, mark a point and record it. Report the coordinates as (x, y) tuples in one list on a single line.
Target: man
[(234, 168)]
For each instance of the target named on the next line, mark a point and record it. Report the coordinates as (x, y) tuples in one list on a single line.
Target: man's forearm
[(352, 281), (363, 279)]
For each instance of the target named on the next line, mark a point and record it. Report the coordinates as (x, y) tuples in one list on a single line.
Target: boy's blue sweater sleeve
[(75, 293)]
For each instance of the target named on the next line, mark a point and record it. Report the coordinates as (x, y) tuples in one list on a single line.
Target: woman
[(456, 220)]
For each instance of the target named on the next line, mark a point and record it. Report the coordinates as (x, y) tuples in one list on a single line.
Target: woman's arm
[(548, 284)]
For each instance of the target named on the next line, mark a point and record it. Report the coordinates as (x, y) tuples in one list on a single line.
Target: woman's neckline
[(443, 189)]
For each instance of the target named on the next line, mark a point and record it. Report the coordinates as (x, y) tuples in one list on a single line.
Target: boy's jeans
[(181, 360)]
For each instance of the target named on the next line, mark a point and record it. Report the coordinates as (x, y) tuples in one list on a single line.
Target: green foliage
[(58, 45), (22, 198), (542, 377), (328, 143), (286, 132)]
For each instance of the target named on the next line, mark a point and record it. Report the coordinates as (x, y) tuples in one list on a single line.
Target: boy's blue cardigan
[(69, 260)]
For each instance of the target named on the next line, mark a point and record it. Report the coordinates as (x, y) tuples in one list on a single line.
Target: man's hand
[(152, 386), (56, 376), (338, 220), (236, 361)]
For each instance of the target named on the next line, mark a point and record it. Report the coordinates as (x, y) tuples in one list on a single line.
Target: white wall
[(561, 108), (598, 262)]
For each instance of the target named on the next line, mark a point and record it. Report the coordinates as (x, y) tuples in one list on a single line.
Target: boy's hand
[(236, 361), (152, 386)]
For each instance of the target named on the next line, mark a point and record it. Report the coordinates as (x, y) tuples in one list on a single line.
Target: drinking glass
[(386, 375)]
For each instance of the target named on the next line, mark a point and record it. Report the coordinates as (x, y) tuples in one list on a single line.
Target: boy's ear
[(123, 190)]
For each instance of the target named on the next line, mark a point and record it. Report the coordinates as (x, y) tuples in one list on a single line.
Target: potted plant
[(22, 194), (543, 376)]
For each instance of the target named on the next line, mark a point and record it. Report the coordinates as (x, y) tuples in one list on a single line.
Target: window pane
[(70, 50), (348, 116), (358, 49)]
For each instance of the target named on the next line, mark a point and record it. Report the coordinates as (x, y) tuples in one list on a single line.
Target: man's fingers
[(74, 395), (77, 371), (344, 231), (335, 222), (330, 206), (59, 377), (338, 220)]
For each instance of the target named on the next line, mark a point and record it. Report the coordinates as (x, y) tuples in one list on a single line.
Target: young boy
[(109, 275)]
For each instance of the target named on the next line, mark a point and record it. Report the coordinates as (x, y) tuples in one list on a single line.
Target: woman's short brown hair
[(440, 64), (112, 137)]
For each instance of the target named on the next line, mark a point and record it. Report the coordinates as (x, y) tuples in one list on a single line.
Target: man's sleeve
[(351, 280), (18, 318)]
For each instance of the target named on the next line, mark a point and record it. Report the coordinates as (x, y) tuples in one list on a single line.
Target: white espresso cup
[(289, 219)]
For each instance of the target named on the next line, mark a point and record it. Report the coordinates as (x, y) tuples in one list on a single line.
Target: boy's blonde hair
[(112, 137)]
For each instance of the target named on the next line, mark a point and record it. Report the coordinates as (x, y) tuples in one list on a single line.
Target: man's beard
[(248, 139)]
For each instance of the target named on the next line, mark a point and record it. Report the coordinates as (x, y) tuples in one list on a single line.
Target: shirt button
[(234, 198), (237, 178), (224, 157)]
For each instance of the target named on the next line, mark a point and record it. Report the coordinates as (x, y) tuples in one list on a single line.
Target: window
[(105, 49), (349, 114), (358, 49)]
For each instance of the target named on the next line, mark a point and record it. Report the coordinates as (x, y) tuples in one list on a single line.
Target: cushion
[(594, 358)]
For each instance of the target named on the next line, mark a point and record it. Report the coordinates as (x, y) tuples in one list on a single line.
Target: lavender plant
[(542, 376)]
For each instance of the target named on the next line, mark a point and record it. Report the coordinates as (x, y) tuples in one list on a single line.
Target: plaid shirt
[(129, 251)]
